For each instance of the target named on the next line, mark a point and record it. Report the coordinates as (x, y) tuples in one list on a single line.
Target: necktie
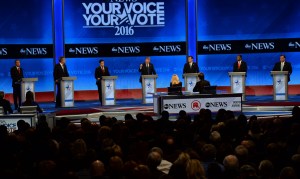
[(102, 69), (281, 67), (19, 70), (239, 65), (190, 65), (148, 69)]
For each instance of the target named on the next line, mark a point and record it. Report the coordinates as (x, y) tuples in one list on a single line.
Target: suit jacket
[(6, 106), (99, 73), (200, 85), (144, 70), (287, 67), (15, 75), (243, 67), (58, 72), (188, 69)]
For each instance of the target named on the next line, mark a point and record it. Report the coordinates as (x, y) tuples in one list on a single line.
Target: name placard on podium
[(67, 91), (27, 84), (237, 83), (190, 80), (149, 86), (280, 85), (108, 90)]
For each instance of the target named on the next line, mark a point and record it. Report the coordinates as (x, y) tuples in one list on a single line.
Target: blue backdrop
[(171, 27), (26, 22), (244, 20)]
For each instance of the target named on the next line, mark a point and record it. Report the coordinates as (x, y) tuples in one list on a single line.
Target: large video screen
[(26, 34), (259, 30), (123, 33)]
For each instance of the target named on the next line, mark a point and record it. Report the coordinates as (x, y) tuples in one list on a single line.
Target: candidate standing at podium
[(60, 70), (16, 73), (190, 66), (239, 65), (100, 71), (283, 65), (146, 68)]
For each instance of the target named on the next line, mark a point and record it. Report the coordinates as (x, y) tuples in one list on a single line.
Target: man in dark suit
[(60, 70), (5, 104), (240, 65), (190, 66), (199, 87), (16, 73), (283, 65), (100, 71), (146, 68)]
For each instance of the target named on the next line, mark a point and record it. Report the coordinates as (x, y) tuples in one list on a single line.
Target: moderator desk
[(193, 102)]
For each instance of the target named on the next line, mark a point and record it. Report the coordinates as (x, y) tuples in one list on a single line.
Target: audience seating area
[(192, 147)]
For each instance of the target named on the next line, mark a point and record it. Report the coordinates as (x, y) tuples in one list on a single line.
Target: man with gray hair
[(164, 165), (5, 104), (231, 165)]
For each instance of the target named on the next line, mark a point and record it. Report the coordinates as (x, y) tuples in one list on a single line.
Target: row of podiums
[(237, 82)]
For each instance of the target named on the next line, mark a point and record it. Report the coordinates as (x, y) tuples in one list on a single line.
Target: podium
[(280, 85), (27, 84), (108, 90), (190, 80), (149, 87), (237, 83), (67, 91)]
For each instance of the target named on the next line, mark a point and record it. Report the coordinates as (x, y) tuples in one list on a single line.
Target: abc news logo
[(216, 104), (126, 50), (175, 106), (217, 47), (33, 51), (3, 51), (294, 45), (84, 50), (167, 48), (260, 46)]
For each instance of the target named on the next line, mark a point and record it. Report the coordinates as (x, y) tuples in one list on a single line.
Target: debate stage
[(261, 106)]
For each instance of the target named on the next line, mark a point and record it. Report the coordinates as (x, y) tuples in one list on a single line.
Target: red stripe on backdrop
[(90, 95)]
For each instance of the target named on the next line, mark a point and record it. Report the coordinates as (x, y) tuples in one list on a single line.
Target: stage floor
[(261, 106)]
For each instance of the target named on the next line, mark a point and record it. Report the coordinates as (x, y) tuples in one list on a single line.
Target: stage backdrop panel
[(123, 33), (259, 30), (26, 34)]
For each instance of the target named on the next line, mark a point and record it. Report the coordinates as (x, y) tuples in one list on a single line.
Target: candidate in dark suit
[(199, 87), (100, 71), (190, 66), (283, 65), (60, 70), (5, 104), (146, 68), (240, 65), (16, 73)]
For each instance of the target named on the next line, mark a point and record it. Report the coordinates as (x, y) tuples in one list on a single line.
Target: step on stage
[(261, 106)]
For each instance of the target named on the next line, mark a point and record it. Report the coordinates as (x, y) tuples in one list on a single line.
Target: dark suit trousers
[(17, 96), (100, 91), (58, 95)]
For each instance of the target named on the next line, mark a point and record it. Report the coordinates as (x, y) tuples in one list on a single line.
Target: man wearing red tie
[(239, 65), (60, 70), (190, 66), (100, 71), (16, 73)]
